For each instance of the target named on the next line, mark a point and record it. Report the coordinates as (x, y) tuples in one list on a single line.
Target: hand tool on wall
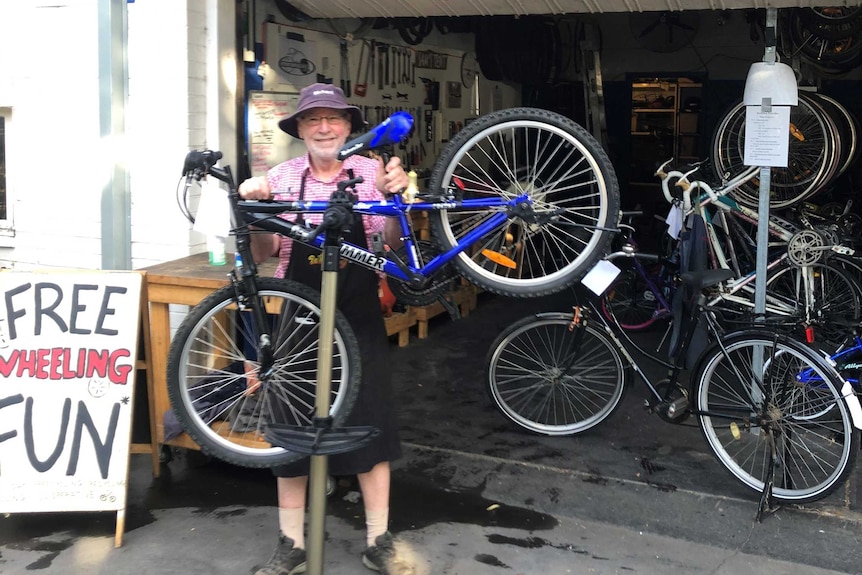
[(405, 75), (372, 56), (394, 60), (381, 48), (345, 69), (386, 83), (360, 89)]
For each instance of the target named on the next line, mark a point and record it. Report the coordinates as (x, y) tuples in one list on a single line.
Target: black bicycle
[(775, 413)]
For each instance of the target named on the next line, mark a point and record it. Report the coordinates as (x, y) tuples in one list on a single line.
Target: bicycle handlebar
[(200, 161), (687, 185)]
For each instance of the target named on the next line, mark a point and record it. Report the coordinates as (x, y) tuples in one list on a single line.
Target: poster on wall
[(68, 343), (297, 60), (268, 145)]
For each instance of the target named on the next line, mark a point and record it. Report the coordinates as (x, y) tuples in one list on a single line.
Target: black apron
[(357, 299)]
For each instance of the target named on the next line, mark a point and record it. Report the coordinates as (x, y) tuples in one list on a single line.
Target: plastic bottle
[(215, 246), (412, 191)]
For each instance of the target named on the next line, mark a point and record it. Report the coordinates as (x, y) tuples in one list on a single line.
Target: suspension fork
[(248, 298)]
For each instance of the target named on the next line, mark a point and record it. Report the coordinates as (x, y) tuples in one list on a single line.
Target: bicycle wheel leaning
[(553, 380), (793, 403), (572, 187), (213, 379)]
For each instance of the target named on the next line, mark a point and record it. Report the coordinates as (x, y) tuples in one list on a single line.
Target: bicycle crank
[(431, 291), (674, 408)]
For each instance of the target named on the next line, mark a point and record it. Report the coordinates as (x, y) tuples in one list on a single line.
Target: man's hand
[(256, 189), (393, 179)]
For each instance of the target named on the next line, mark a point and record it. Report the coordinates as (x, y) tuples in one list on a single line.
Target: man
[(323, 120)]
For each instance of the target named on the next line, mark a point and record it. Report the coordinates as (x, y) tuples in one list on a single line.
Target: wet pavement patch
[(418, 502), (532, 543), (490, 560), (51, 550)]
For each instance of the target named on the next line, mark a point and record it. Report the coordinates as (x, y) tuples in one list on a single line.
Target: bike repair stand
[(322, 439), (770, 90)]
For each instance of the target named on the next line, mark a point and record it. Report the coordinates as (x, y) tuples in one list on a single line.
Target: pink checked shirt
[(285, 180)]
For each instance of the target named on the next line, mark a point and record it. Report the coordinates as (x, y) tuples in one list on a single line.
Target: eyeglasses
[(318, 120)]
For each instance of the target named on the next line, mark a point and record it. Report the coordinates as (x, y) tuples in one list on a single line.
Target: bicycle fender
[(852, 404)]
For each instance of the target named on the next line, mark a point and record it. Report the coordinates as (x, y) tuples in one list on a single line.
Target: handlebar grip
[(201, 160)]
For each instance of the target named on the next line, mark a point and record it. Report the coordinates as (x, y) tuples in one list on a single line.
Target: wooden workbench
[(185, 281)]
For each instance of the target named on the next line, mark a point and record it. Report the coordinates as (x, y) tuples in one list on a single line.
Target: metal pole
[(762, 244), (318, 472), (763, 217)]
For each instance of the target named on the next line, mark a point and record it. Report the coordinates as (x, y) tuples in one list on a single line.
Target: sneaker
[(285, 560), (381, 557)]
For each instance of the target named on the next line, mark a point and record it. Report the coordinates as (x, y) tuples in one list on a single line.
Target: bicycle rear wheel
[(793, 401), (811, 155), (571, 185), (553, 380), (825, 297), (213, 373)]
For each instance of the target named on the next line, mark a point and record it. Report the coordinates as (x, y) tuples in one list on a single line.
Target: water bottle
[(215, 246)]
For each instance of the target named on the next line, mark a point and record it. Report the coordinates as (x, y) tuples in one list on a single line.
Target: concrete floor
[(473, 495)]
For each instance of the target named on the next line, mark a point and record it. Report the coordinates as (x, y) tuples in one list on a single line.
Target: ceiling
[(424, 8)]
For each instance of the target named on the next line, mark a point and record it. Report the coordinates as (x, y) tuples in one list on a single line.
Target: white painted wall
[(182, 85), (51, 88), (182, 90)]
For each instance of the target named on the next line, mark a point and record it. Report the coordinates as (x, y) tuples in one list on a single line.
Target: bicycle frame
[(622, 341), (630, 251), (653, 288), (261, 215), (848, 360)]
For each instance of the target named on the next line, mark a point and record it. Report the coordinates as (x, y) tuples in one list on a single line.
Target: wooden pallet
[(399, 323), (463, 296)]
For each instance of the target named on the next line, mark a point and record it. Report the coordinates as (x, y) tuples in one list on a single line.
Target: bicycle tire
[(810, 422), (213, 350), (832, 23), (561, 166), (848, 131), (631, 301), (810, 156), (836, 299), (540, 383)]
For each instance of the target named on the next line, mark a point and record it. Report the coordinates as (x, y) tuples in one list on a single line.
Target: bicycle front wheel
[(553, 380), (573, 195), (768, 405), (215, 388)]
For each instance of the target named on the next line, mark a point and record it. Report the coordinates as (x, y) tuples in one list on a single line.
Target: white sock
[(376, 524), (292, 524)]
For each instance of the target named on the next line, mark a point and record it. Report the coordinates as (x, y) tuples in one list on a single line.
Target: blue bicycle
[(522, 202)]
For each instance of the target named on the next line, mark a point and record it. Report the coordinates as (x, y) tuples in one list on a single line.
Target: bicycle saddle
[(706, 278)]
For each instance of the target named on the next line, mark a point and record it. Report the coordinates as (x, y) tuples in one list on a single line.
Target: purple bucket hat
[(321, 96)]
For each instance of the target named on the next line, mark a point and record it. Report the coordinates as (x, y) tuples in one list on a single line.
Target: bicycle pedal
[(450, 307), (677, 408)]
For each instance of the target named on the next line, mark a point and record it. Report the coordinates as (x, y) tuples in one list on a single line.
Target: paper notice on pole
[(767, 136)]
